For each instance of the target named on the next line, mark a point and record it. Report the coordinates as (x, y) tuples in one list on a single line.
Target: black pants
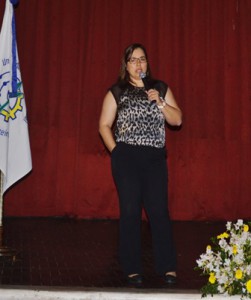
[(140, 174)]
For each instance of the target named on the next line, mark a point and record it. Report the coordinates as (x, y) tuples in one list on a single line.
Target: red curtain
[(70, 53)]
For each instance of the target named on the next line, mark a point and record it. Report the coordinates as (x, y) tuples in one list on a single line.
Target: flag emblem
[(10, 106)]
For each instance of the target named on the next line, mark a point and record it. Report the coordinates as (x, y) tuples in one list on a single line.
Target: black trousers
[(140, 174)]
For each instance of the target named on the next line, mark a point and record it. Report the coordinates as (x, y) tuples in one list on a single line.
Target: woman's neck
[(137, 82)]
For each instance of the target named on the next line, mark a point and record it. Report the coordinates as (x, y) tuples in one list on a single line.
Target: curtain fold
[(70, 54)]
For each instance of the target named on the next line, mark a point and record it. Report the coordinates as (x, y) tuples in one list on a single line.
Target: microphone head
[(142, 75)]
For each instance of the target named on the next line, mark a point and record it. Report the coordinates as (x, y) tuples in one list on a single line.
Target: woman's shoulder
[(117, 88), (118, 85), (159, 83), (161, 86)]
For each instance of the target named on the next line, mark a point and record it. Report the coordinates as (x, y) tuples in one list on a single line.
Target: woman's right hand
[(107, 117)]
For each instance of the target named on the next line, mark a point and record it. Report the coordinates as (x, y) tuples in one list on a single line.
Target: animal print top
[(138, 121)]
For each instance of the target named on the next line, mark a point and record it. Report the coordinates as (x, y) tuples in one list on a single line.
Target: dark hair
[(124, 75)]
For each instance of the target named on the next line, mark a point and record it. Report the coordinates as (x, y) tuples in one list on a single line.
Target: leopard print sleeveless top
[(138, 121)]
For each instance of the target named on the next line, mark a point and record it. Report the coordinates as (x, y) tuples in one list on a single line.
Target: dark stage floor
[(83, 253)]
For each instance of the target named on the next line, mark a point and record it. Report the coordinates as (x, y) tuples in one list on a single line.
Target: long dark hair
[(124, 75)]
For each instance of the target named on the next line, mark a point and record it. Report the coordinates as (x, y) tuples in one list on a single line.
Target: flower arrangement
[(227, 263)]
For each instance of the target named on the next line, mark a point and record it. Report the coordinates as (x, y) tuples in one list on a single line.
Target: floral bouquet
[(227, 263)]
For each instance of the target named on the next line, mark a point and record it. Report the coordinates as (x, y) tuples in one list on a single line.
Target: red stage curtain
[(70, 54)]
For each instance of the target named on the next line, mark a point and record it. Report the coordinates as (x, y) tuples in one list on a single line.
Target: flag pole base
[(6, 252)]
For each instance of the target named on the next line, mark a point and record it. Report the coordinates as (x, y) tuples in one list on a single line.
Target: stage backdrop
[(70, 53)]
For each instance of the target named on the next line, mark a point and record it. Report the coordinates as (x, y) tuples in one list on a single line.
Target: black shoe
[(135, 280), (170, 279)]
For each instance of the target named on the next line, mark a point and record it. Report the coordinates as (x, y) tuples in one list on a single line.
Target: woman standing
[(138, 157)]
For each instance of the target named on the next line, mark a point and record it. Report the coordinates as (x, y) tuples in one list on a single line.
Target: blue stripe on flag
[(14, 2), (14, 59)]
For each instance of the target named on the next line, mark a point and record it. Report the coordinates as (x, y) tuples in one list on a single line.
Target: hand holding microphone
[(152, 94)]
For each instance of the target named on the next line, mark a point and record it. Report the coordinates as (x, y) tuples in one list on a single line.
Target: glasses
[(135, 60)]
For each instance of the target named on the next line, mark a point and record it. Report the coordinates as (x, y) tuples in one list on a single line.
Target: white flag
[(15, 155)]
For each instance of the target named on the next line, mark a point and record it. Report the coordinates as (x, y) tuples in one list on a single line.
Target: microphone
[(147, 86)]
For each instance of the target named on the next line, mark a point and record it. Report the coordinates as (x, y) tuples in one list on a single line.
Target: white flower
[(248, 270), (223, 243), (239, 222), (220, 289), (229, 225), (222, 279), (227, 262)]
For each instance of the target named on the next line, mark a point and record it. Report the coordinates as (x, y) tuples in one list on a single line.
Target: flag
[(15, 154)]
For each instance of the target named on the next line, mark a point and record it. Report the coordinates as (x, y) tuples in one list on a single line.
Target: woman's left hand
[(153, 95)]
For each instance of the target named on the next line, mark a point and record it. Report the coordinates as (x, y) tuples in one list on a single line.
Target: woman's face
[(137, 64)]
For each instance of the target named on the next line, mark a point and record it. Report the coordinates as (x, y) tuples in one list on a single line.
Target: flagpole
[(1, 199), (4, 251)]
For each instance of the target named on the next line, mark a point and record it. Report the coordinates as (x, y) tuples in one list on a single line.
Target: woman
[(138, 159)]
